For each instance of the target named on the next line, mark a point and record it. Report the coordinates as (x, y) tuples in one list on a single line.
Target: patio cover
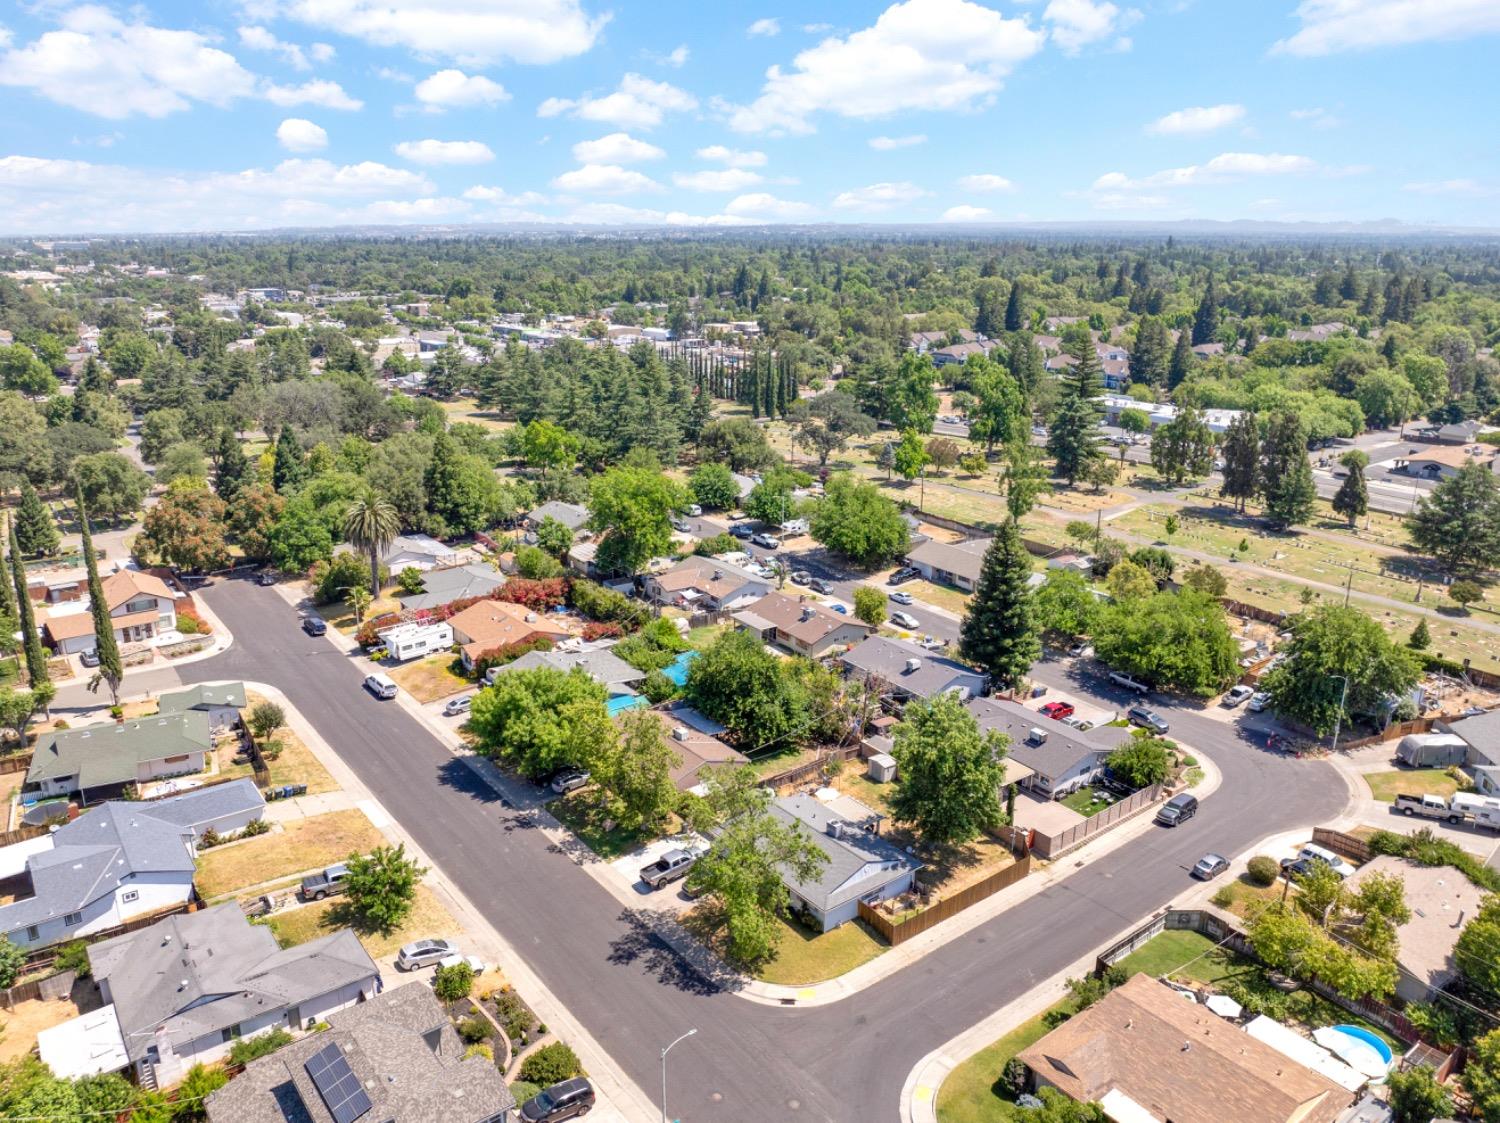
[(84, 1046)]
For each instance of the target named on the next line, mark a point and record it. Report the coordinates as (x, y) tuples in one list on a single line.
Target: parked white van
[(382, 686)]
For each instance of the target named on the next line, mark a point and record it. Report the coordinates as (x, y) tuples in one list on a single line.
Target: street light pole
[(664, 1053), (1339, 717)]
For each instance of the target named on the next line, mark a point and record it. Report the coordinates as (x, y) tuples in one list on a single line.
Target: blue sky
[(247, 114)]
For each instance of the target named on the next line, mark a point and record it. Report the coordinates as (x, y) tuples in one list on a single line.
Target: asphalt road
[(748, 1062)]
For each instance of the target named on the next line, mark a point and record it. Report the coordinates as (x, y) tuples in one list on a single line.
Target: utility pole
[(1348, 585), (1339, 717)]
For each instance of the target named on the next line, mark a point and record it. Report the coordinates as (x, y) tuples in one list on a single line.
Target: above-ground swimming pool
[(1370, 1039)]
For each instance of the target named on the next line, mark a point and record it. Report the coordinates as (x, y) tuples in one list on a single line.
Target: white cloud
[(1330, 26), (817, 28), (42, 195), (414, 210), (319, 91), (261, 39), (1469, 187), (1079, 23), (888, 143), (100, 64), (676, 57), (504, 198), (474, 32), (1120, 201), (963, 213), (918, 55), (605, 179), (1198, 119), (616, 148), (639, 103), (761, 205), (878, 196), (717, 179), (453, 89), (296, 134), (985, 182), (322, 52), (1317, 116), (768, 26), (1221, 169), (732, 157), (445, 151)]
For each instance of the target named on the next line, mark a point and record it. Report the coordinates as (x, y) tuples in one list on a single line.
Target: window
[(73, 918), (130, 895), (32, 935), (229, 1033)]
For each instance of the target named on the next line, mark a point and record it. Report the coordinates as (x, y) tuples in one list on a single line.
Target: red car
[(1057, 710)]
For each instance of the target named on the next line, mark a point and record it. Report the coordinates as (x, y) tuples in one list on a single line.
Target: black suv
[(567, 1100)]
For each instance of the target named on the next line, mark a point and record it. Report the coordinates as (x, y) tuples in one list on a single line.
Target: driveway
[(748, 1062)]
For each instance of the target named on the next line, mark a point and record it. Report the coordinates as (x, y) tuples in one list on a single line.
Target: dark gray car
[(566, 1100)]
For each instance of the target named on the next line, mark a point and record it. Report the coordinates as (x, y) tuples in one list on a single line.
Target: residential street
[(749, 1062)]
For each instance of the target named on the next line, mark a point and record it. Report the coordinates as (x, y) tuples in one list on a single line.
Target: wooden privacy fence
[(1346, 845), (45, 957), (52, 987), (22, 833), (1399, 729), (1051, 846), (813, 768), (15, 762), (899, 933)]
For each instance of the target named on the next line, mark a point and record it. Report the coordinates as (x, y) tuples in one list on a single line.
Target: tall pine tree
[(1206, 322), (36, 656), (1353, 498), (289, 470), (999, 633), (8, 607), (34, 525), (231, 467), (1241, 453), (1181, 364), (1074, 437), (111, 669), (1285, 474), (1013, 314)]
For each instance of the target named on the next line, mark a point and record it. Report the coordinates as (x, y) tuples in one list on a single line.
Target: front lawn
[(306, 844), (580, 812), (428, 679), (427, 918), (939, 596), (341, 616), (1385, 786), (1244, 898), (804, 957), (970, 1095)]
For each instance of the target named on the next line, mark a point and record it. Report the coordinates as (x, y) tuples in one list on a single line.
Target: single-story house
[(444, 586), (801, 625), (96, 762), (862, 866), (55, 586), (1061, 758), (221, 703), (574, 516), (399, 1051), (116, 862), (600, 664), (695, 740), (708, 584), (1481, 733), (959, 353), (1440, 463), (182, 991), (950, 563), (1160, 413), (141, 607), (413, 640), (907, 671), (1142, 1052), (492, 623), (1459, 432), (1440, 899), (418, 551), (742, 483)]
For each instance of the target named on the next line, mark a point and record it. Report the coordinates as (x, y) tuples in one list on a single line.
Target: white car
[(904, 620), (1259, 701), (1239, 694), (458, 706), (902, 598)]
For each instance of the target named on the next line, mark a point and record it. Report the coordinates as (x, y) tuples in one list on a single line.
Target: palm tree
[(371, 525)]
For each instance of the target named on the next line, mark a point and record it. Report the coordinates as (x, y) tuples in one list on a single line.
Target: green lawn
[(1385, 786), (804, 957), (699, 638), (1185, 955), (1085, 802), (580, 812)]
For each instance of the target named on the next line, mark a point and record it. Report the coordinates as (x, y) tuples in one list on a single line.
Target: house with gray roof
[(97, 762), (1481, 733), (444, 586), (1060, 757), (400, 1047), (861, 866), (222, 703), (601, 665), (574, 516), (950, 563), (185, 989), (114, 863), (905, 670)]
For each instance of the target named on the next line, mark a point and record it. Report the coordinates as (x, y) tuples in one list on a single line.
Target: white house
[(98, 761), (419, 551), (410, 641), (142, 608), (862, 866)]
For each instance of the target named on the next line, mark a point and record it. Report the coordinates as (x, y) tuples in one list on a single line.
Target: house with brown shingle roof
[(695, 739), (488, 624), (141, 606), (801, 625), (1144, 1046), (707, 584)]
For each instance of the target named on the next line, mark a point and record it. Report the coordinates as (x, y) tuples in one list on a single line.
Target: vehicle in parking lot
[(424, 953), (904, 620), (1177, 810), (901, 576), (569, 779), (1057, 710), (459, 705), (742, 530), (1238, 694), (902, 598), (316, 886), (314, 625), (1210, 866), (1259, 701), (566, 1100), (765, 542), (674, 864), (382, 686), (1147, 718)]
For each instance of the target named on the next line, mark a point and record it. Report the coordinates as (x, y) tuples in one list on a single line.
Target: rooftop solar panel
[(336, 1083)]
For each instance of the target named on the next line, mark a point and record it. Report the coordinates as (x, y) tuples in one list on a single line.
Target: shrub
[(535, 564), (246, 1049), (549, 1064), (536, 595), (657, 687), (605, 605), (479, 1049), (188, 625), (599, 629), (1013, 1076), (1262, 870), (208, 839), (476, 1029), (344, 572), (513, 1014), (1429, 850), (271, 750), (508, 653), (255, 827), (74, 957), (453, 982), (718, 544), (410, 580), (1224, 898)]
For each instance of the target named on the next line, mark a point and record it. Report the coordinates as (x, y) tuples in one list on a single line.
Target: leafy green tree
[(541, 719), (549, 448), (232, 470), (288, 469), (453, 982), (160, 430), (1181, 364), (943, 453), (381, 886), (1174, 640), (999, 414), (713, 487), (745, 688), (199, 1083), (183, 460), (111, 669), (1482, 1076), (854, 519), (111, 484), (771, 500), (1129, 581), (1241, 456), (1387, 398), (1183, 447), (1352, 498), (738, 442), (1458, 523), (632, 507), (252, 517), (265, 719), (1143, 760), (1330, 643), (999, 632), (371, 524), (1024, 479), (910, 455), (1421, 636), (1155, 560), (1291, 498), (36, 530), (1415, 1097), (1065, 606), (635, 771), (186, 528), (461, 489), (910, 401), (554, 537), (298, 539), (828, 422), (12, 959), (1206, 579), (869, 605), (950, 774), (1134, 420), (1464, 593)]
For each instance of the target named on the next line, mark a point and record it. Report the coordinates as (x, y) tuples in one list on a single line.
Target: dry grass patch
[(939, 596), (295, 765), (306, 844), (27, 1019), (341, 616), (428, 918), (428, 679), (1075, 501), (953, 868)]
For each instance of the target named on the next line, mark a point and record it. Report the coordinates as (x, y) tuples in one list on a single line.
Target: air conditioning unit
[(679, 733), (1036, 736), (835, 828), (913, 665)]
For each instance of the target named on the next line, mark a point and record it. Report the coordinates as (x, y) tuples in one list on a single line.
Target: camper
[(1431, 750), (1483, 810)]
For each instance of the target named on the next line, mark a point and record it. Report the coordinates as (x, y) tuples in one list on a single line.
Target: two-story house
[(142, 607)]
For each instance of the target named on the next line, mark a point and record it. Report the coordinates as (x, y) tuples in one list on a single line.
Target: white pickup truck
[(1430, 806), (1483, 811)]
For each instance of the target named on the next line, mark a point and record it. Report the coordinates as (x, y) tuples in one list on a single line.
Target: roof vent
[(531, 618), (913, 664), (1036, 736), (718, 575)]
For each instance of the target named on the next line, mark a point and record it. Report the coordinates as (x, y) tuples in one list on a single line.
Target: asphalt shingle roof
[(846, 875), (110, 754), (1064, 746), (201, 697), (887, 659)]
